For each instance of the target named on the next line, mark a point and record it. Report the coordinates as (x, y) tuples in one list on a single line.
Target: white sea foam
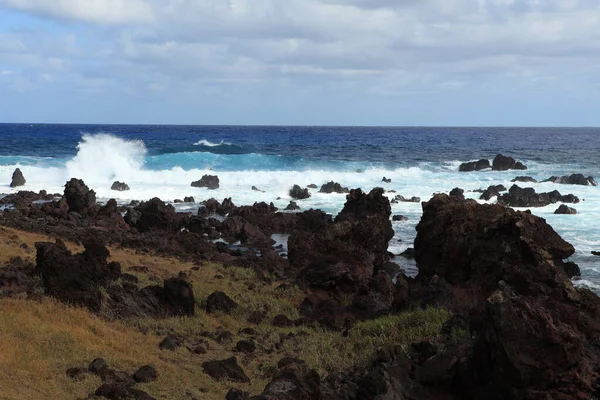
[(207, 143)]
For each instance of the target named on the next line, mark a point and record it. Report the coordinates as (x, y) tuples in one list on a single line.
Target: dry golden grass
[(41, 339)]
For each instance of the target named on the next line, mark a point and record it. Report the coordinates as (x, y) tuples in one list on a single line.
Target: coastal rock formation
[(79, 197), (467, 243), (210, 182), (154, 214), (345, 256), (333, 187), (386, 180), (189, 199), (293, 206), (474, 166), (17, 179), (504, 163), (458, 193), (564, 209), (400, 198), (527, 197), (297, 193), (574, 179), (525, 179), (119, 186), (492, 191), (399, 218)]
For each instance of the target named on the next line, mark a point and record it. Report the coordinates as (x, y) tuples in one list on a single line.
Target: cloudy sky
[(309, 62)]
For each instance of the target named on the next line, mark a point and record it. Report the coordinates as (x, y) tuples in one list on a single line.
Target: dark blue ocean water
[(162, 161), (297, 147)]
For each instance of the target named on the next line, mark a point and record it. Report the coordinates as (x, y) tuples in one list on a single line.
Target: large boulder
[(574, 179), (79, 197), (527, 197), (504, 163), (207, 181), (474, 166), (179, 295), (492, 191), (467, 243), (17, 179), (333, 187), (564, 209), (225, 370), (156, 215)]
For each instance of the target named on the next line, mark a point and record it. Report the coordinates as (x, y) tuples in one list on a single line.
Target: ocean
[(162, 161)]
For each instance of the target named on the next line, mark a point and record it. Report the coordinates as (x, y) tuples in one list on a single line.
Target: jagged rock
[(398, 218), (207, 181), (17, 179), (458, 193), (119, 186), (254, 188), (333, 187), (479, 245), (386, 180), (293, 206), (400, 198), (312, 186), (79, 197), (504, 163), (527, 197), (189, 199), (524, 179), (219, 302), (155, 215), (145, 374), (296, 192), (225, 370), (179, 295), (492, 191), (474, 166), (574, 179), (564, 209)]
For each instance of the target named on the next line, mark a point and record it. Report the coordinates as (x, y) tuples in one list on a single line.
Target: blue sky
[(308, 62)]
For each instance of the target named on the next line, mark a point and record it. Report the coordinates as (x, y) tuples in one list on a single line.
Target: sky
[(301, 62)]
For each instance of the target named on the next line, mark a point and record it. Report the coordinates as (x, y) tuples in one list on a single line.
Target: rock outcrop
[(492, 191), (79, 197), (297, 193), (504, 163), (564, 209), (527, 197), (574, 179), (120, 186), (207, 181), (474, 166), (333, 187), (17, 179)]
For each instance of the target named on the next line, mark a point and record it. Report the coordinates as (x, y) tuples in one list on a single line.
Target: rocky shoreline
[(516, 327)]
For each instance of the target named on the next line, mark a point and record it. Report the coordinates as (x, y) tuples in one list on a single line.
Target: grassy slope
[(41, 339)]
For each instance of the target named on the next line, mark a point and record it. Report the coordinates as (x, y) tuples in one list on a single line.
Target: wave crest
[(208, 143)]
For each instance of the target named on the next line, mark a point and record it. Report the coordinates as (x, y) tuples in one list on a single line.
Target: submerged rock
[(524, 179), (255, 189), (207, 181), (574, 179), (119, 186), (17, 179), (386, 180)]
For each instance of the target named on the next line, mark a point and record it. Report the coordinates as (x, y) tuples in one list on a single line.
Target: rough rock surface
[(564, 209), (527, 197), (333, 187), (574, 179), (504, 163), (17, 179), (474, 166), (207, 181), (492, 191), (79, 197), (524, 179), (119, 186), (228, 369), (296, 192)]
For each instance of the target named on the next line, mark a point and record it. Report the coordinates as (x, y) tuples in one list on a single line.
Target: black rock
[(524, 179), (189, 199), (564, 209), (296, 192), (245, 346), (228, 369), (492, 191), (408, 253), (17, 179), (97, 365), (386, 180), (474, 166), (281, 321), (254, 188), (219, 302), (527, 197), (312, 186), (171, 342), (574, 179), (207, 181), (119, 186), (236, 394), (504, 163), (78, 196), (333, 187), (145, 374), (399, 218), (458, 193), (293, 206)]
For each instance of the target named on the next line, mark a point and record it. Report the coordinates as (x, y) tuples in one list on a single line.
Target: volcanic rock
[(504, 163), (79, 197), (17, 179), (564, 209), (219, 302), (574, 179), (474, 166), (296, 192), (333, 187), (524, 179), (119, 186), (492, 191), (225, 370), (527, 197), (207, 181)]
